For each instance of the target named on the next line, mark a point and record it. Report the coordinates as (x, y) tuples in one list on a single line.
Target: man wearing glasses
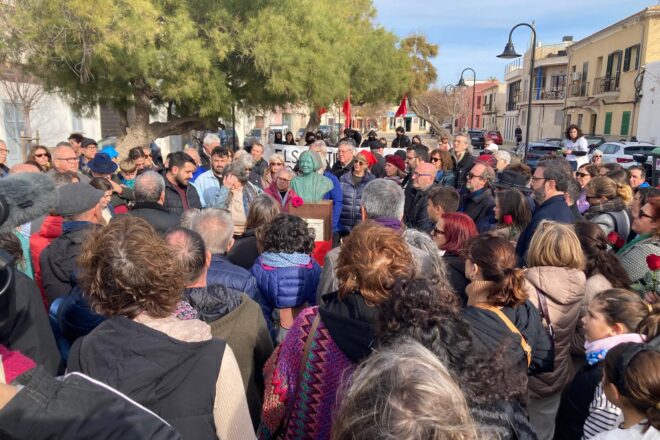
[(65, 161), (549, 183), (88, 149), (478, 201), (4, 151), (417, 216)]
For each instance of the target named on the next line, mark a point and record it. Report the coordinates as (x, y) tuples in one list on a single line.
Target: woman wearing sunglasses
[(40, 156)]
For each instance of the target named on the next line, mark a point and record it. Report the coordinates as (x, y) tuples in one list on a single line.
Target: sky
[(471, 33)]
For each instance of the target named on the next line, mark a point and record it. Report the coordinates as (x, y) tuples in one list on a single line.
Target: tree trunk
[(25, 144), (424, 111), (312, 124)]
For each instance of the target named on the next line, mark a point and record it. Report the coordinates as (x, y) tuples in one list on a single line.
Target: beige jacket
[(564, 291), (230, 410)]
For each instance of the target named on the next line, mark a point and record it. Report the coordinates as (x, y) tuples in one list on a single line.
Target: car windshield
[(543, 148)]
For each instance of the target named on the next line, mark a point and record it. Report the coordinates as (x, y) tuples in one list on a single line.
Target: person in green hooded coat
[(309, 185)]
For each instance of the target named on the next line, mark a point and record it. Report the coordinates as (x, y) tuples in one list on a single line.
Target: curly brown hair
[(371, 259), (126, 269)]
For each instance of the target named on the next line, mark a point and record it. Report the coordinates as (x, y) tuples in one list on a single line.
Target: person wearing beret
[(80, 208), (395, 168)]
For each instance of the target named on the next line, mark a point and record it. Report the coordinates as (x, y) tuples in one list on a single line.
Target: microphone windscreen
[(25, 197)]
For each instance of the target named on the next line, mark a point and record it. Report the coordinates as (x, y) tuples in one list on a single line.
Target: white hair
[(502, 155), (211, 138)]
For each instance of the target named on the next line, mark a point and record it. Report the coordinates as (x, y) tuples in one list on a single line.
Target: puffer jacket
[(285, 287), (564, 290), (350, 210), (51, 228)]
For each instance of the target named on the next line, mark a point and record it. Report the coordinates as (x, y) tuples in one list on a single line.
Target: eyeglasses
[(360, 162), (283, 179), (435, 159), (147, 155), (421, 174), (276, 164), (472, 176), (437, 231), (582, 174), (67, 159), (41, 155), (538, 178), (642, 214), (4, 150)]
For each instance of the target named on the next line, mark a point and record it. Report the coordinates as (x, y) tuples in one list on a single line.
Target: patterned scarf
[(281, 259), (597, 350)]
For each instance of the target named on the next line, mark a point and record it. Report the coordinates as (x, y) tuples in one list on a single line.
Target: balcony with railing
[(549, 94), (513, 69), (606, 84), (578, 89)]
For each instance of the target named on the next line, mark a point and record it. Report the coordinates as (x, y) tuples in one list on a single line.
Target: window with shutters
[(631, 58), (625, 123), (608, 123)]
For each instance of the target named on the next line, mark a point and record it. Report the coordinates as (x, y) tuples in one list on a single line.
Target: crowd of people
[(461, 295)]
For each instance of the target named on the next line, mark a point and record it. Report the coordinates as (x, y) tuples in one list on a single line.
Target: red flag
[(402, 110), (321, 111), (347, 112)]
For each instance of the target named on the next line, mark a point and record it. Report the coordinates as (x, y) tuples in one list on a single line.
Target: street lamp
[(510, 52), (461, 83)]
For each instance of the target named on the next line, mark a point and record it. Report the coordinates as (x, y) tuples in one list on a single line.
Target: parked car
[(622, 152), (553, 141), (255, 135), (228, 138), (496, 136), (537, 151), (478, 138)]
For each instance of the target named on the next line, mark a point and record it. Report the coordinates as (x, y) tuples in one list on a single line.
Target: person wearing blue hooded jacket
[(286, 273)]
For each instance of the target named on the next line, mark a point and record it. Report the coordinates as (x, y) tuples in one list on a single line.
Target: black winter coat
[(58, 260), (76, 407), (462, 169), (417, 216), (479, 207), (491, 334), (173, 202), (174, 379), (156, 215), (574, 407), (244, 252), (456, 273), (24, 323)]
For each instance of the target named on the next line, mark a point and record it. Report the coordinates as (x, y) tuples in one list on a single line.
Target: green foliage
[(420, 52), (199, 57)]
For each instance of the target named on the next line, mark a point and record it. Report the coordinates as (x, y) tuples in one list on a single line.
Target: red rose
[(507, 219), (613, 237), (620, 243), (653, 262), (297, 201)]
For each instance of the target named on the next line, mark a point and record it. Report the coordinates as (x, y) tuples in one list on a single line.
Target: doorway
[(408, 124), (592, 124)]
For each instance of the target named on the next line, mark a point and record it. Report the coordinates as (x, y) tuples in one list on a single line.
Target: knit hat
[(396, 161), (102, 164), (86, 142), (508, 179), (488, 159), (76, 198)]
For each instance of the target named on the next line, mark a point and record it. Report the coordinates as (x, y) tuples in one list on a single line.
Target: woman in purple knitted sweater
[(333, 338)]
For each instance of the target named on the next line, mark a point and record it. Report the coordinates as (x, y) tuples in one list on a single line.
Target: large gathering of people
[(450, 295)]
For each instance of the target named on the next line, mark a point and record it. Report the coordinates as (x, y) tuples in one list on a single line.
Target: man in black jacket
[(417, 216), (149, 198), (80, 207), (478, 201), (401, 140), (464, 160), (180, 196), (346, 152)]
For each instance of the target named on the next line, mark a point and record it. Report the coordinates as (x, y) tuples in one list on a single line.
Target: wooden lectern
[(318, 216)]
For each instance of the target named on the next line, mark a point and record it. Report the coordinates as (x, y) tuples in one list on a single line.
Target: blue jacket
[(284, 287), (350, 210), (222, 271), (554, 209), (337, 198)]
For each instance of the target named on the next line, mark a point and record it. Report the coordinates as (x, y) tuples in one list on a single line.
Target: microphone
[(25, 197)]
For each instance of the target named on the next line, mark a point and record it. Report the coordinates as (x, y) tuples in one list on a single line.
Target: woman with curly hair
[(327, 342), (499, 311), (429, 314), (403, 392), (171, 366), (286, 273)]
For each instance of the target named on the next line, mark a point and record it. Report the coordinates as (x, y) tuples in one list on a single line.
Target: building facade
[(604, 75), (494, 105)]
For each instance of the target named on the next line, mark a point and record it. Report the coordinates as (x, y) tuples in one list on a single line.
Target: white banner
[(291, 153)]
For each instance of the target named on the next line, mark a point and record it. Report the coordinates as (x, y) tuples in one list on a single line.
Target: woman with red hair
[(451, 231)]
